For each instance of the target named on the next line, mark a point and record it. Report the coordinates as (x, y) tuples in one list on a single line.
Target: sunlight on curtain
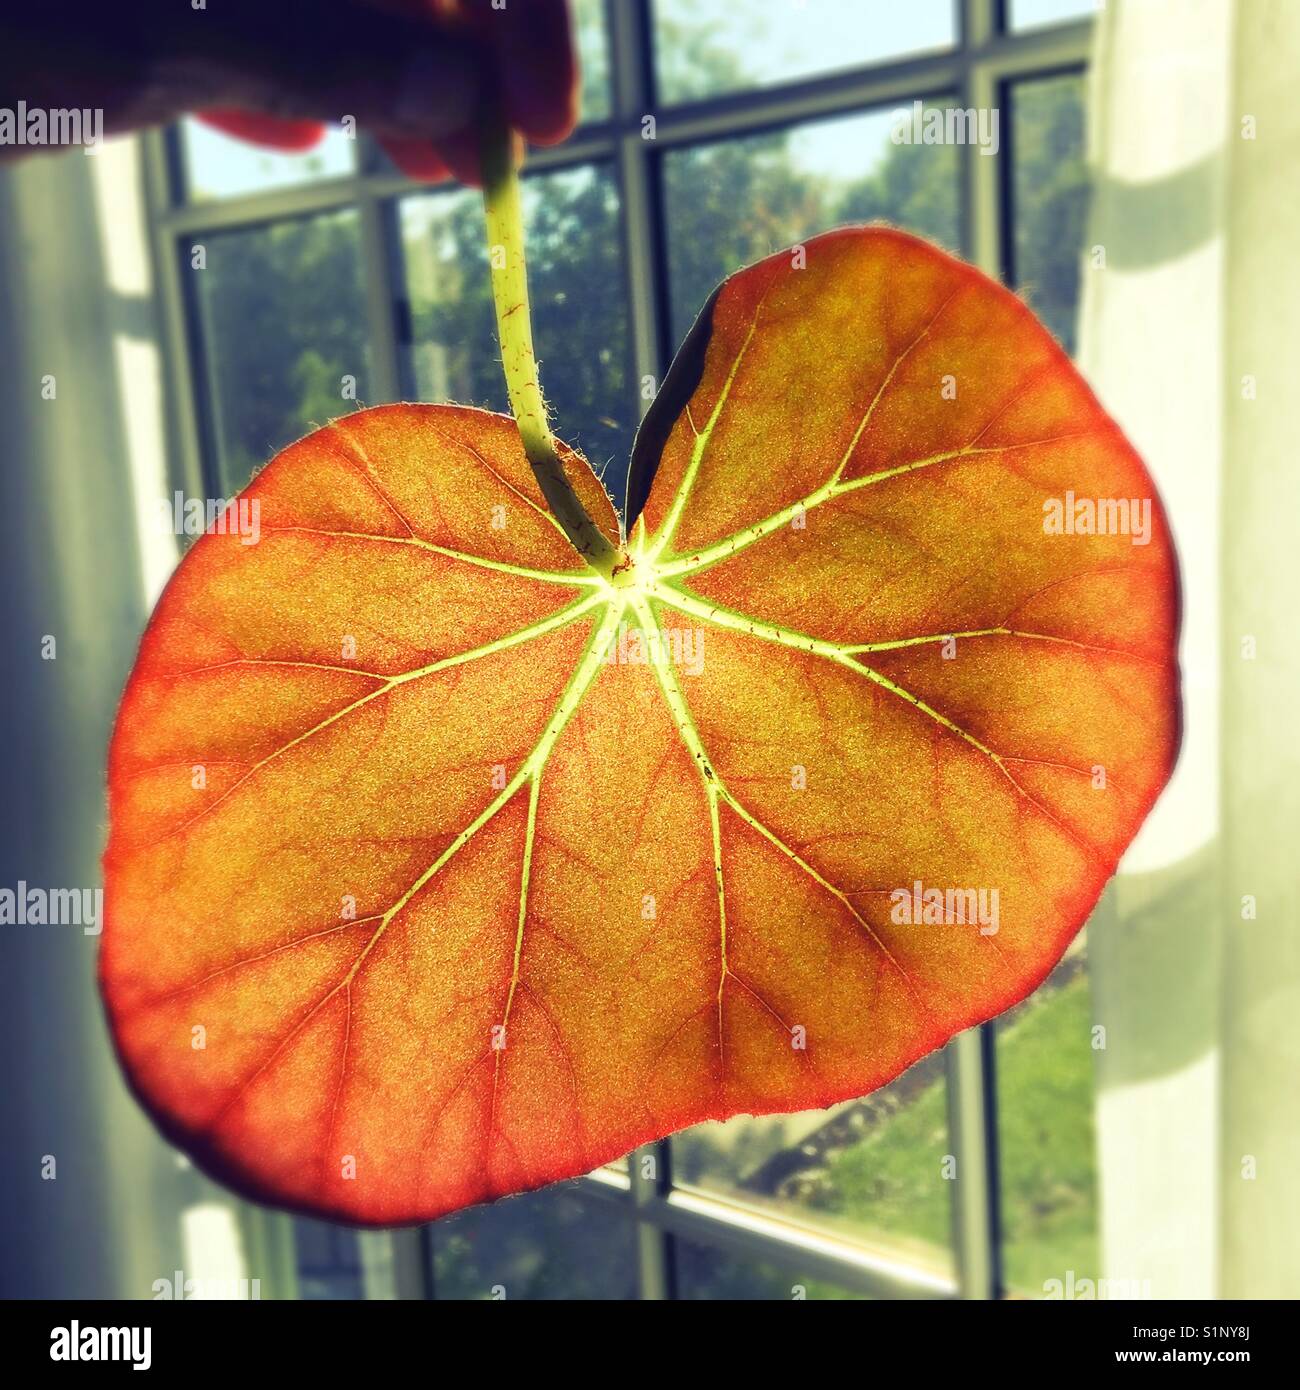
[(105, 1223), (214, 1251), (1260, 1155), (95, 1201), (128, 280), (1190, 366)]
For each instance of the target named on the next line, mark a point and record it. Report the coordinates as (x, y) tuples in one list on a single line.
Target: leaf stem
[(505, 234)]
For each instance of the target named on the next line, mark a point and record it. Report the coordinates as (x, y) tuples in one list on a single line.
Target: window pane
[(329, 1260), (703, 47), (872, 1169), (706, 1272), (543, 1245), (731, 204), (1047, 1143), (282, 315), (1050, 190), (575, 265), (1032, 14), (1045, 1085), (593, 57), (218, 166)]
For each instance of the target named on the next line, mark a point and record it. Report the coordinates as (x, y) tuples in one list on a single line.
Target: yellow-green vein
[(531, 768), (684, 488), (584, 577), (801, 641), (831, 489), (717, 791), (561, 618)]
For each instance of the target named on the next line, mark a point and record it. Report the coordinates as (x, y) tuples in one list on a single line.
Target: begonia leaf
[(442, 866)]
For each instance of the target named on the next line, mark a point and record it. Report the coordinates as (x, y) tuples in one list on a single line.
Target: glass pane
[(1047, 1144), (731, 204), (218, 166), (283, 322), (1045, 1066), (703, 47), (872, 1169), (543, 1245), (1033, 14), (1050, 189), (593, 58), (329, 1260), (575, 264), (706, 1272)]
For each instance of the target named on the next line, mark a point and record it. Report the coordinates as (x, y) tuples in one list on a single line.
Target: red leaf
[(489, 894)]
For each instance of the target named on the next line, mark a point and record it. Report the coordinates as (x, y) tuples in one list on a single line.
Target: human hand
[(416, 73)]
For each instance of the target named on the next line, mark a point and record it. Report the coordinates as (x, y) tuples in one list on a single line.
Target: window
[(706, 47), (329, 282), (576, 277), (281, 313)]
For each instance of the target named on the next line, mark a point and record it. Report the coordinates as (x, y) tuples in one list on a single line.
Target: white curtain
[(1190, 328), (95, 1205)]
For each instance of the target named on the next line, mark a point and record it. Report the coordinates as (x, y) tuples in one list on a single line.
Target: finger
[(534, 61), (537, 68), (417, 159), (397, 73), (460, 150), (273, 132), (461, 153)]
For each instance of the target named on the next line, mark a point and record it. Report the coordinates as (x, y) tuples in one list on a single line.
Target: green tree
[(1051, 189), (915, 187), (284, 321), (579, 308)]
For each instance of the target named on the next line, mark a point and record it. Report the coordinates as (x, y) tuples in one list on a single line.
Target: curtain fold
[(95, 1204), (1189, 316), (1260, 1153)]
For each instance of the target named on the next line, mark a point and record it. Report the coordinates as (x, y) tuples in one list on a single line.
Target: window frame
[(986, 59)]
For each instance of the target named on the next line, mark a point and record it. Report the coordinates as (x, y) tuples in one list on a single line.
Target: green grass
[(892, 1180), (890, 1183), (1049, 1178)]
